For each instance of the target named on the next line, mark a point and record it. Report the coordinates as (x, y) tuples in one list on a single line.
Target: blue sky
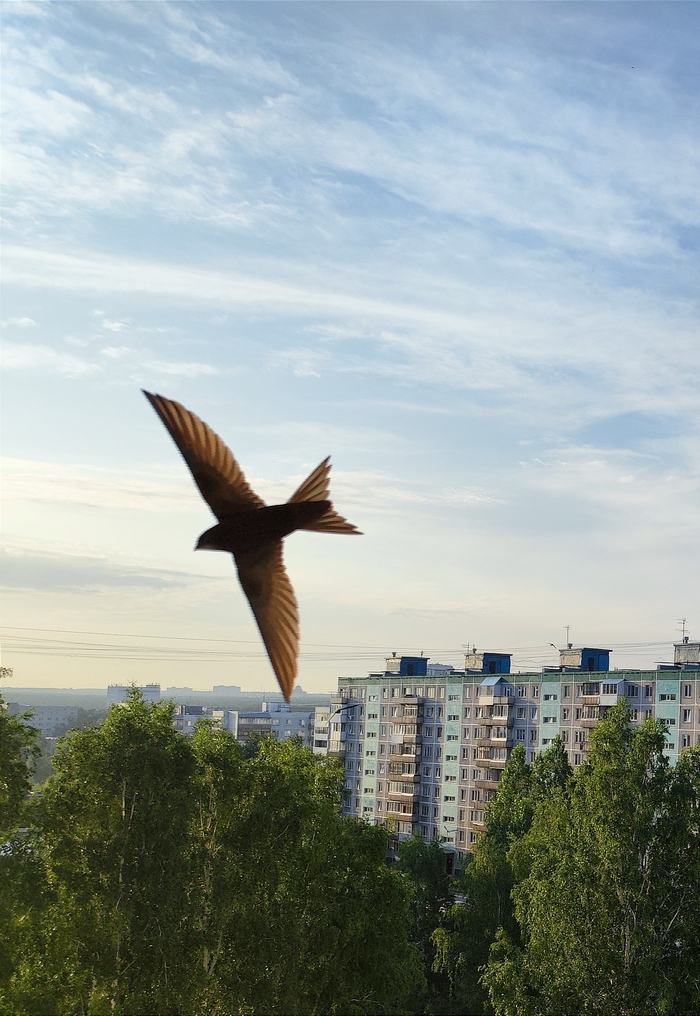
[(453, 245)]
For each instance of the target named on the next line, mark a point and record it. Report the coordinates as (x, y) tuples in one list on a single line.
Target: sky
[(455, 246)]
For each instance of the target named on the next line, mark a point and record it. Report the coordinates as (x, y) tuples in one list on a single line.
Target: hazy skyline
[(454, 246)]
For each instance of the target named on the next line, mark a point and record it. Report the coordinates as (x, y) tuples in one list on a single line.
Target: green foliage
[(609, 888), (18, 747), (179, 875)]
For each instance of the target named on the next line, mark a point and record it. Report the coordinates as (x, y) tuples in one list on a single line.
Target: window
[(535, 690), (533, 714), (520, 691), (467, 712), (519, 734), (566, 690), (687, 690), (549, 698), (632, 691), (452, 737), (565, 713), (427, 751), (431, 692), (667, 697), (453, 698), (450, 758), (453, 716), (464, 773), (465, 753), (609, 689), (533, 736), (564, 736), (687, 715), (521, 712), (549, 719), (577, 760), (685, 741), (648, 690)]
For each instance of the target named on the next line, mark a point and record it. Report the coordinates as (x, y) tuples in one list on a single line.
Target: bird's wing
[(215, 471), (266, 584), (317, 487)]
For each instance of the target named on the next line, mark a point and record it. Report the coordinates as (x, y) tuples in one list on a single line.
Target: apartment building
[(425, 752)]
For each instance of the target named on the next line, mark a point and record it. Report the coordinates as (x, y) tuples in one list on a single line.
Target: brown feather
[(253, 536), (317, 487), (215, 471), (266, 584)]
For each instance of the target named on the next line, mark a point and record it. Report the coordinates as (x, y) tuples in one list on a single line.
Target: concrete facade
[(426, 753)]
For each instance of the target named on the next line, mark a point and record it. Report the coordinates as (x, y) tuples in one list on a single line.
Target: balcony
[(496, 700)]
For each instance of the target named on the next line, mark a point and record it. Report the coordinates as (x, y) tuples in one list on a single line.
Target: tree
[(609, 901), (18, 748), (302, 915), (464, 940), (111, 847), (175, 875)]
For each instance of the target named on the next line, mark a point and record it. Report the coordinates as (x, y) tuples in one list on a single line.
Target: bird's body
[(242, 531), (252, 531)]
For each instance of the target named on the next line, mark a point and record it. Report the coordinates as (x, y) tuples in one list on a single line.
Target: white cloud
[(97, 487), (20, 322), (37, 357)]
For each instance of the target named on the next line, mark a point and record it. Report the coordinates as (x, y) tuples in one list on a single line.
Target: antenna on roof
[(567, 629), (682, 629)]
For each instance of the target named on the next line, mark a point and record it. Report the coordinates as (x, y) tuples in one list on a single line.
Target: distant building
[(279, 721), (425, 753), (319, 742), (226, 689), (117, 693), (227, 719), (186, 716), (52, 721)]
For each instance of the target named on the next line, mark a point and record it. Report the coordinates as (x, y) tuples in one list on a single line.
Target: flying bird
[(253, 531)]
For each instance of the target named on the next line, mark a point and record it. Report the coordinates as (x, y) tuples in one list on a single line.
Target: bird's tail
[(316, 487)]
